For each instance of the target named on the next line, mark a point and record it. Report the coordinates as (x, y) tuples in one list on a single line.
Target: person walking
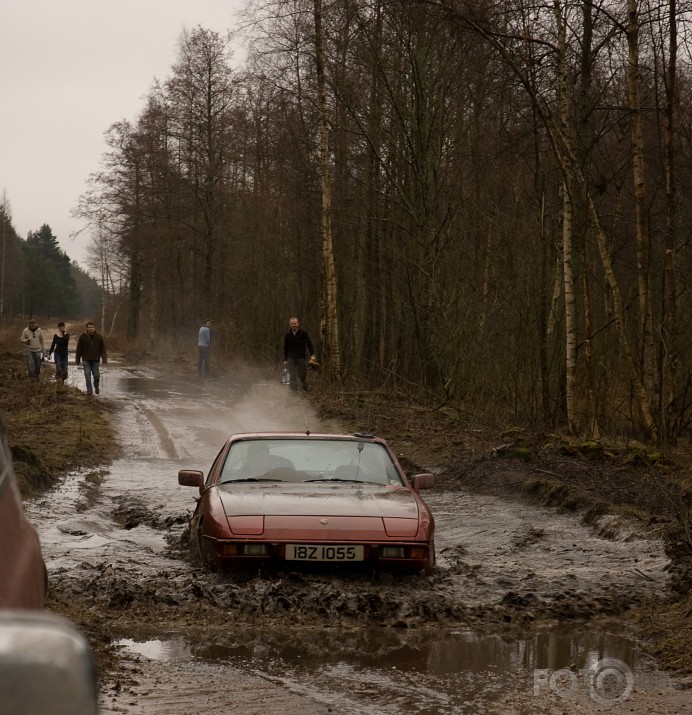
[(203, 349), (91, 348), (58, 349), (297, 345), (32, 337)]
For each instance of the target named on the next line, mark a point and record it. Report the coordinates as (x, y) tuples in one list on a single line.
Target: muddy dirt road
[(523, 602)]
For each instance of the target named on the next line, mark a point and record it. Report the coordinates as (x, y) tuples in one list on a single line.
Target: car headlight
[(404, 552), (255, 549), (418, 552), (393, 552), (226, 548)]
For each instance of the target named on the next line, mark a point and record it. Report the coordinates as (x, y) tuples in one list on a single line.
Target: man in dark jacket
[(91, 348), (58, 349), (297, 345)]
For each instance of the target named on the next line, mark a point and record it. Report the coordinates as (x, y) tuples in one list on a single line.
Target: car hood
[(288, 499)]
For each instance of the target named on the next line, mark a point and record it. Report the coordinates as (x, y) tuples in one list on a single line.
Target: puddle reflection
[(432, 653), (170, 650), (390, 672)]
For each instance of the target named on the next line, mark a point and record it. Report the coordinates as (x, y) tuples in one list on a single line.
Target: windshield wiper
[(250, 479), (335, 479), (350, 481), (341, 479)]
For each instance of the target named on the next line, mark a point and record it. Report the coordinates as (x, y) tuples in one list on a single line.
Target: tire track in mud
[(167, 444), (172, 689)]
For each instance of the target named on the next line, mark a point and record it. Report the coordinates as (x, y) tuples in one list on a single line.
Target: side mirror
[(191, 478), (423, 481), (46, 666)]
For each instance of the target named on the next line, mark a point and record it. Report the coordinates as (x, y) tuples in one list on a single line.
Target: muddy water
[(441, 672), (334, 643)]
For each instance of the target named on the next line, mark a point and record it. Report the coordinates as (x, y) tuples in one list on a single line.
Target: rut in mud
[(116, 547)]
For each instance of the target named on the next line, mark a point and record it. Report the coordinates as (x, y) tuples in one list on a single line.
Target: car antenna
[(307, 428), (366, 432)]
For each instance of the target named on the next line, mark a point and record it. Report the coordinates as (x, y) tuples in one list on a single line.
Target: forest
[(483, 204), (37, 278)]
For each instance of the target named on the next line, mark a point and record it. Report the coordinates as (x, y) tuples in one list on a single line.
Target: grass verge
[(51, 430)]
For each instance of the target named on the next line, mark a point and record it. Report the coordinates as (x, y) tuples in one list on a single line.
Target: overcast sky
[(68, 70)]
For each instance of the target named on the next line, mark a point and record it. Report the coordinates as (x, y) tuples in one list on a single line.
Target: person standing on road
[(32, 337), (58, 349), (203, 349), (297, 345), (91, 348)]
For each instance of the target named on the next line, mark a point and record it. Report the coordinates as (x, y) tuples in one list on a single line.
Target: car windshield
[(305, 460)]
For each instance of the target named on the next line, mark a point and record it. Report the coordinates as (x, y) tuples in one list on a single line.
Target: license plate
[(320, 552)]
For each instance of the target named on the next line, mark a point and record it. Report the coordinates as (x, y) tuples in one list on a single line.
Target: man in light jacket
[(32, 337)]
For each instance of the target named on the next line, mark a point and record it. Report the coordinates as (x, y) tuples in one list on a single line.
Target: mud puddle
[(292, 641), (384, 672)]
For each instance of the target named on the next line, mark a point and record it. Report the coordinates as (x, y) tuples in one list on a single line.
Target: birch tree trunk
[(330, 332), (567, 241)]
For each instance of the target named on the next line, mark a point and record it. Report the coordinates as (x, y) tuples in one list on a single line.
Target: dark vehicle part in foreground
[(46, 666), (22, 571), (311, 499)]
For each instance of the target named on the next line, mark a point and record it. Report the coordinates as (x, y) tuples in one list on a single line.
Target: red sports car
[(311, 498)]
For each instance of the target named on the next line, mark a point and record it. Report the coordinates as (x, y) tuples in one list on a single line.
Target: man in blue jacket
[(203, 348)]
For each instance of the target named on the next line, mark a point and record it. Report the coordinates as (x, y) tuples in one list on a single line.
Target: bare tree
[(5, 217), (201, 92), (330, 322)]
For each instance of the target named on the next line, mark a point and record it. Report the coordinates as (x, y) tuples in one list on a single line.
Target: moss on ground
[(667, 627), (553, 492)]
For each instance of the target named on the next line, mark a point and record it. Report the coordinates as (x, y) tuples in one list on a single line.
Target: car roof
[(356, 437)]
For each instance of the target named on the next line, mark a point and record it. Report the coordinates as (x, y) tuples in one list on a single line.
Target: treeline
[(483, 201), (37, 278)]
